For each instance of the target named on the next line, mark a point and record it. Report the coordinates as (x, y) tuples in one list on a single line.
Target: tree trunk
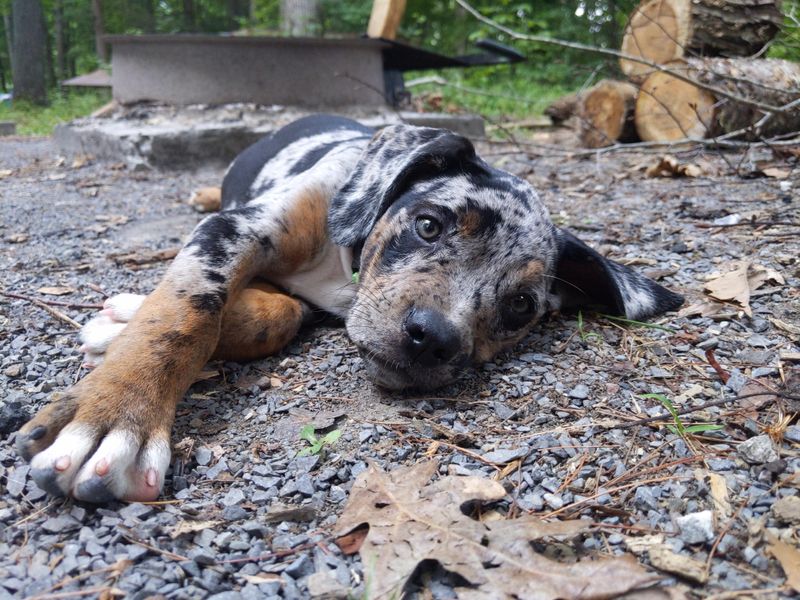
[(149, 16), (99, 31), (671, 109), (50, 70), (9, 37), (189, 16), (300, 17), (605, 114), (61, 48), (666, 30), (28, 58)]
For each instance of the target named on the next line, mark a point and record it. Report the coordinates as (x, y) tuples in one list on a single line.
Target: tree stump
[(666, 30), (668, 108), (605, 114)]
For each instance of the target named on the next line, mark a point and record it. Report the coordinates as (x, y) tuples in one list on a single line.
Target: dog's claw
[(47, 479), (93, 490)]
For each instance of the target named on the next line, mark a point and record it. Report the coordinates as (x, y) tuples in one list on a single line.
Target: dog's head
[(459, 259)]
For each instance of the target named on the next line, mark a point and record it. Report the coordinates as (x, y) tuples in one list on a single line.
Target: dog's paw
[(98, 333), (97, 451)]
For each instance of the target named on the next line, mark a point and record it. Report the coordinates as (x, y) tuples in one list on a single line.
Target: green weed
[(585, 335), (677, 427), (317, 444)]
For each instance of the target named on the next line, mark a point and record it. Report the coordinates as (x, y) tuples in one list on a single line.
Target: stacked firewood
[(718, 43)]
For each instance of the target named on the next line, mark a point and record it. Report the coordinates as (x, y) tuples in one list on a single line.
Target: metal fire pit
[(310, 72)]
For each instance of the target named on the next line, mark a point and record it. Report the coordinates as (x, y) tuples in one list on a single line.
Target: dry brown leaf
[(412, 519), (776, 173), (56, 290), (668, 166), (191, 527), (206, 199), (664, 559), (17, 238), (789, 557), (719, 494), (737, 285)]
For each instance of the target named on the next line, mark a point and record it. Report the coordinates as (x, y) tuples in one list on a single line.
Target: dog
[(434, 259)]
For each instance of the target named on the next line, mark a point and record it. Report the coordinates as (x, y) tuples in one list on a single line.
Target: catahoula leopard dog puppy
[(457, 260)]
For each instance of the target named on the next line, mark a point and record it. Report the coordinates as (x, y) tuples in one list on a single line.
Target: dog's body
[(455, 260)]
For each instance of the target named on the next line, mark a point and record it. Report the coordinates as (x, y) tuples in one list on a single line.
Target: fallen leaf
[(58, 290), (789, 557), (278, 513), (414, 520), (664, 559), (776, 173), (17, 238), (719, 494), (81, 161), (5, 173), (737, 285), (191, 527), (668, 166)]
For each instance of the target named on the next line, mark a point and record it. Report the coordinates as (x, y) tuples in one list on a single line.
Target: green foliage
[(584, 335), (37, 120), (787, 44), (317, 444), (678, 428)]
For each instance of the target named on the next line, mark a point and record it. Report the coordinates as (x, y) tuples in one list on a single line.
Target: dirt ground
[(563, 422)]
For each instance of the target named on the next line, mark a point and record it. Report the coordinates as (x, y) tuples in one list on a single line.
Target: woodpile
[(716, 45)]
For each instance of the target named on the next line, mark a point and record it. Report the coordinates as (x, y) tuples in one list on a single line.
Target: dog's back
[(286, 153)]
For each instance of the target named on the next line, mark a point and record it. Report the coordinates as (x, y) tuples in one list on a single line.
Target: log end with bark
[(662, 31), (605, 114)]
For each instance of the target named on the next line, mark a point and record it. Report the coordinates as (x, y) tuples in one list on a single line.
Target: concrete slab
[(169, 137)]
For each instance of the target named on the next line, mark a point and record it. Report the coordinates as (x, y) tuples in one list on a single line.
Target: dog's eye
[(428, 228), (517, 311), (521, 304)]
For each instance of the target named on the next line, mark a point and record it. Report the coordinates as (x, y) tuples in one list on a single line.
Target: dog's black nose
[(431, 339)]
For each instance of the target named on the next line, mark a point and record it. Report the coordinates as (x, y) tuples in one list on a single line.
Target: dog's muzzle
[(429, 354)]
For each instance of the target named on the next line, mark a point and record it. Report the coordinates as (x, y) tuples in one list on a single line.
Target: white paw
[(81, 464), (98, 333)]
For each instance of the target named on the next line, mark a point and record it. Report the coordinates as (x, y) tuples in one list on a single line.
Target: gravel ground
[(241, 516)]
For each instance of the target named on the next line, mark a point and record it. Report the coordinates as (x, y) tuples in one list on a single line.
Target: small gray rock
[(135, 511), (758, 450), (203, 456), (792, 434), (787, 510), (61, 524), (696, 528), (233, 497), (325, 586), (579, 392), (506, 455)]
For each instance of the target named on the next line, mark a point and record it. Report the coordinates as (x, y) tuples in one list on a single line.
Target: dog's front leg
[(109, 436)]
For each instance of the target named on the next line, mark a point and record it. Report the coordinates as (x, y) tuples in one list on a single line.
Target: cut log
[(605, 114), (668, 108), (666, 30), (562, 109)]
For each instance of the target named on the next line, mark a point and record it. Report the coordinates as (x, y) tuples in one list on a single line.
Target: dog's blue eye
[(428, 228), (522, 304)]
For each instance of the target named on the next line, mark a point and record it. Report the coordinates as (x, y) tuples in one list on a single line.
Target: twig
[(50, 302), (56, 313), (686, 411), (718, 92), (75, 594), (747, 223), (166, 553), (712, 360)]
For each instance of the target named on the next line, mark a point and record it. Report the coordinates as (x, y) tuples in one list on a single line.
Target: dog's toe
[(122, 307)]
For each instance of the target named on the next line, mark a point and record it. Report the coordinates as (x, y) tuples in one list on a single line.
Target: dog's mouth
[(395, 375)]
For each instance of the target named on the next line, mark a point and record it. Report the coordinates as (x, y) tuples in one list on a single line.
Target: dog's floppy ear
[(584, 278), (397, 157)]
